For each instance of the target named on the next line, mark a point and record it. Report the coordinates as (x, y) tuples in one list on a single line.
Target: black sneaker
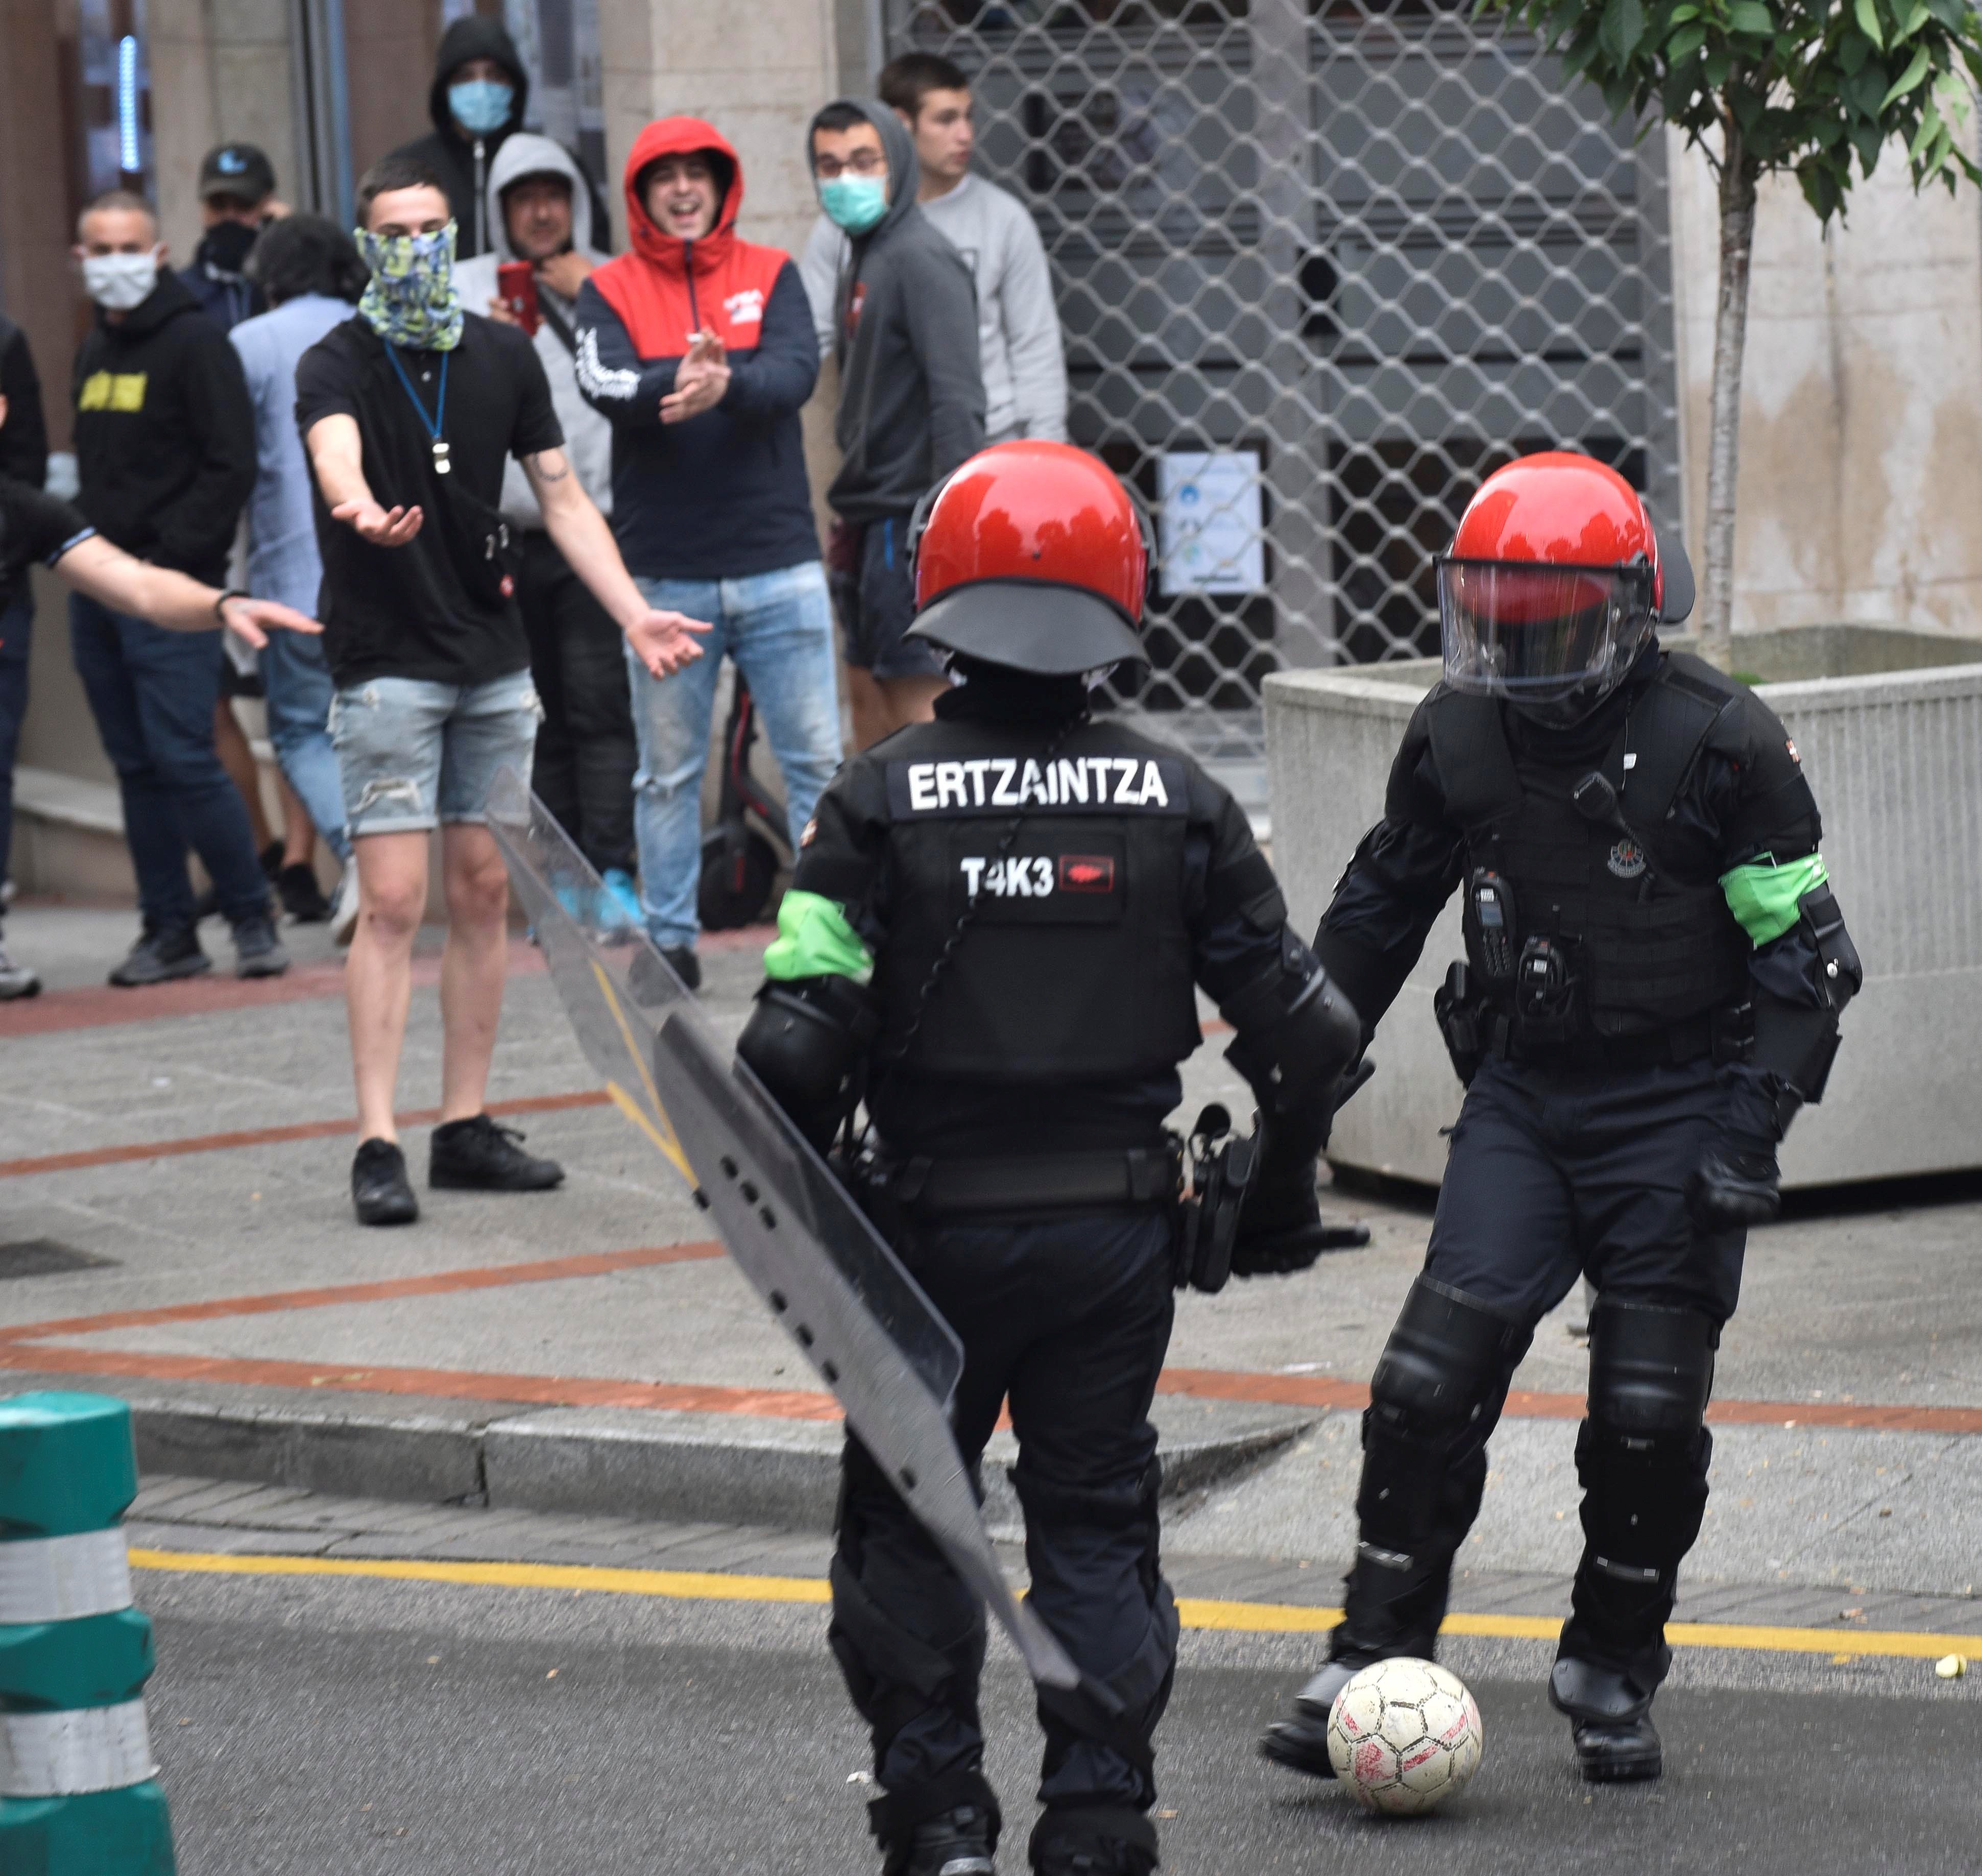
[(160, 957), (258, 952), (302, 898), (381, 1194), (685, 964), (479, 1156), (270, 857)]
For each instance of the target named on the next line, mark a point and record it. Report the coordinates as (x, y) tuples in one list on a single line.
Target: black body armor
[(1590, 915), (1058, 952)]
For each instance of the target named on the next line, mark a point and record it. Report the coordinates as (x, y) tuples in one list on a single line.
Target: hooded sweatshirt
[(911, 386), (588, 437), (462, 162), (724, 495), (165, 433)]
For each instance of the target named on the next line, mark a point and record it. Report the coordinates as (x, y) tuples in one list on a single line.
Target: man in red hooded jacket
[(698, 348)]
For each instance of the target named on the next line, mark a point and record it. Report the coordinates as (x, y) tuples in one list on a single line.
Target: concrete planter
[(1890, 727)]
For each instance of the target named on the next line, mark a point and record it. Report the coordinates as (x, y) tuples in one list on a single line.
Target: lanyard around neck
[(431, 425)]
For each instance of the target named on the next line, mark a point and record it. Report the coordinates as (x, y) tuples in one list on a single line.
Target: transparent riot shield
[(821, 1269)]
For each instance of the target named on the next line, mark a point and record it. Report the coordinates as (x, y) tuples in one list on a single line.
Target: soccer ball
[(1403, 1735)]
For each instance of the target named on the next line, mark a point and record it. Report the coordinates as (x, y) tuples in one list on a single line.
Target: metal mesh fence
[(1321, 265)]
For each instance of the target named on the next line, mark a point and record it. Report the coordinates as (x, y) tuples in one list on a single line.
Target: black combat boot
[(1105, 1840), (1301, 1744), (959, 1843), (1610, 1722)]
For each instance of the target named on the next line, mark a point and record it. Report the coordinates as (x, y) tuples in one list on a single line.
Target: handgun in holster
[(1222, 1164)]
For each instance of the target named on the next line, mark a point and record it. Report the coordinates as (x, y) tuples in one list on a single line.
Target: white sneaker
[(16, 979), (343, 908)]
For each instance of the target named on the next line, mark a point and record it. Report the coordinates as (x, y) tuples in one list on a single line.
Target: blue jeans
[(153, 693), (299, 690), (16, 635), (413, 754), (777, 630)]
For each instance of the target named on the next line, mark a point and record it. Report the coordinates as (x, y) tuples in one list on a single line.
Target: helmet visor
[(1511, 629)]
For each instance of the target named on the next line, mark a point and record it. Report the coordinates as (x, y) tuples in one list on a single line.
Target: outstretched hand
[(252, 620), (664, 642), (382, 527)]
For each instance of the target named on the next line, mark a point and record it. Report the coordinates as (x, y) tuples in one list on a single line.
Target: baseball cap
[(236, 169)]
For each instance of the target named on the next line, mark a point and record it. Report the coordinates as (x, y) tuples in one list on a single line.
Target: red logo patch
[(1087, 872)]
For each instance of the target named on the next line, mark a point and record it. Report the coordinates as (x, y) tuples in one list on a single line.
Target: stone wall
[(1861, 410)]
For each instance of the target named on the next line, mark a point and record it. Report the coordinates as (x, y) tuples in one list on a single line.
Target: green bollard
[(77, 1793)]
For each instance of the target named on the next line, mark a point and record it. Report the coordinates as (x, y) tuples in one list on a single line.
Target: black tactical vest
[(1644, 920), (1076, 964)]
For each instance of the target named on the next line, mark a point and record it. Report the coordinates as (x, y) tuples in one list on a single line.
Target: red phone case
[(516, 285)]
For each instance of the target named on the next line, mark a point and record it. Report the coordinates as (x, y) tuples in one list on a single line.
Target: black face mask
[(225, 246)]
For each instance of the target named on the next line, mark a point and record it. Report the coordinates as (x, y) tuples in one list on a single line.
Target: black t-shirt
[(427, 609), (33, 526)]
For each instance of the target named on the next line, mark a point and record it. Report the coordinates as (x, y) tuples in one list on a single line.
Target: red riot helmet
[(1032, 555), (1555, 581)]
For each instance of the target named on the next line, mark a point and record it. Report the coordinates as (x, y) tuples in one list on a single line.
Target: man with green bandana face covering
[(410, 413)]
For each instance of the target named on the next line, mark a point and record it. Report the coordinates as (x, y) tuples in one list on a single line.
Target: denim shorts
[(412, 754)]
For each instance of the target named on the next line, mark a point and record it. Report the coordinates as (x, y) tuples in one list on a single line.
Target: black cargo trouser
[(1068, 1318), (582, 770), (1553, 1175)]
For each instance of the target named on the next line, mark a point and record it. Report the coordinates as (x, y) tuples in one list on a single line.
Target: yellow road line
[(1256, 1618)]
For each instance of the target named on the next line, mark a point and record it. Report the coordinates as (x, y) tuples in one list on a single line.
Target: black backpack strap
[(1668, 725), (1476, 768)]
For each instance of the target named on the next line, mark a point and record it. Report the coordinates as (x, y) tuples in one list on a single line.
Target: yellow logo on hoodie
[(123, 391)]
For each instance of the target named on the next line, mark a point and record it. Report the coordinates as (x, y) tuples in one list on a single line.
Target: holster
[(1222, 1163), (1465, 1020)]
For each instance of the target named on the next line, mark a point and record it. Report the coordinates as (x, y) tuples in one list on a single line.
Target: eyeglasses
[(861, 163)]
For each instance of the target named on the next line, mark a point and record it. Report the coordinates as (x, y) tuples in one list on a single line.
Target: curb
[(699, 1468)]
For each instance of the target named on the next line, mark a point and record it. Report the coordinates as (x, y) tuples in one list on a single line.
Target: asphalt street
[(306, 1724)]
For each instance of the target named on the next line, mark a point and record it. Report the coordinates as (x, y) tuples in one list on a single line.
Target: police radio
[(1490, 926)]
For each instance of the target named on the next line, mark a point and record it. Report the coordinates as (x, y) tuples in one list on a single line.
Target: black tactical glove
[(1737, 1184), (1281, 1228)]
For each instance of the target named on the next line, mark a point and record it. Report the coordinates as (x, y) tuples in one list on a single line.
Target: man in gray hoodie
[(912, 401), (540, 210)]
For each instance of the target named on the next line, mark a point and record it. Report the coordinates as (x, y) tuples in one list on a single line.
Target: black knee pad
[(1651, 1368), (1643, 1454), (1447, 1358)]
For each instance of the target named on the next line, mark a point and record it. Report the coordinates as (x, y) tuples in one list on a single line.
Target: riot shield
[(821, 1269)]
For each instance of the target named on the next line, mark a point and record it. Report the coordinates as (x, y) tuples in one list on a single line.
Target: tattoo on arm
[(550, 466)]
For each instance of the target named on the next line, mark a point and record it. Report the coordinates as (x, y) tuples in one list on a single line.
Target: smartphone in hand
[(516, 287)]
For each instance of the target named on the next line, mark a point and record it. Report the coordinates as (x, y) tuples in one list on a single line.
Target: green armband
[(815, 939), (1763, 896)]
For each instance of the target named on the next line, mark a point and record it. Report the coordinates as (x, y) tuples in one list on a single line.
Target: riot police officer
[(995, 924), (1655, 965)]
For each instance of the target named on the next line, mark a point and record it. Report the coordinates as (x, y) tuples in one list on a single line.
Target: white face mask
[(118, 282)]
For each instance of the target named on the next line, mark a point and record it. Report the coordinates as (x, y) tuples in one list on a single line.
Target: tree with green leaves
[(1766, 88)]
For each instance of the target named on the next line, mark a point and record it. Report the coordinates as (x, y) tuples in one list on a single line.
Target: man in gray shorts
[(911, 400), (410, 413)]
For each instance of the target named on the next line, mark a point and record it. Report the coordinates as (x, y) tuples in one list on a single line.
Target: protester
[(418, 404), (237, 199), (481, 87), (1018, 344), (24, 459), (698, 346), (542, 212), (911, 400), (164, 445), (311, 273)]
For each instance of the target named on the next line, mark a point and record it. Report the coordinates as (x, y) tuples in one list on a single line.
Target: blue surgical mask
[(856, 203), (481, 105)]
